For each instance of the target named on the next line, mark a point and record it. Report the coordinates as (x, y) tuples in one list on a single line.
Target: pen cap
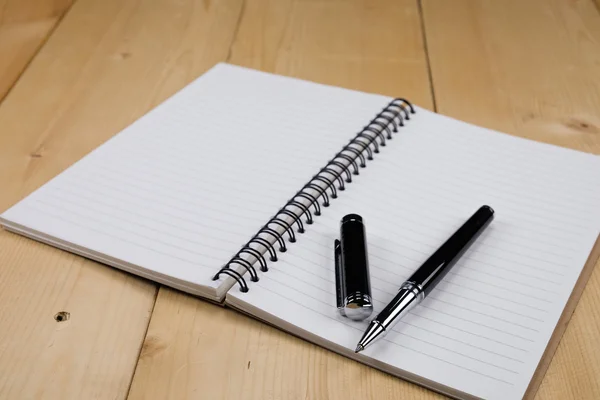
[(352, 269)]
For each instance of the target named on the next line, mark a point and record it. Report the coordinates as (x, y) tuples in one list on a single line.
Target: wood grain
[(108, 62), (529, 68), (24, 27), (91, 350), (371, 46), (198, 350), (524, 67)]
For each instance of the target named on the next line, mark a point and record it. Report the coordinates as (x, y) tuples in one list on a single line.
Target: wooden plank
[(194, 349), (374, 47), (24, 27), (107, 63), (529, 68)]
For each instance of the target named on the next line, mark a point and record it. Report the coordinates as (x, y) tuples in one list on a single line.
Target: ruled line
[(460, 263), (398, 344), (471, 146), (402, 277), (126, 239), (331, 294), (119, 228)]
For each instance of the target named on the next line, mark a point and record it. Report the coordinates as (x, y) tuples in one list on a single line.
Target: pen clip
[(339, 274)]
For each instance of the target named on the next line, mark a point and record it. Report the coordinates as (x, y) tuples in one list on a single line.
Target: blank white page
[(175, 195), (484, 328)]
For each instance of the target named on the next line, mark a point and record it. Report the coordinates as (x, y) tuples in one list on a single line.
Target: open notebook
[(215, 180)]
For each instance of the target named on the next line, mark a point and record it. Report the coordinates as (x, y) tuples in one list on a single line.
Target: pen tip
[(359, 348)]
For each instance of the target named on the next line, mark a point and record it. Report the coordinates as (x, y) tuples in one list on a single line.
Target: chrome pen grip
[(409, 296)]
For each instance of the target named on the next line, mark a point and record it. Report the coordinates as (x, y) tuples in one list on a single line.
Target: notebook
[(233, 190)]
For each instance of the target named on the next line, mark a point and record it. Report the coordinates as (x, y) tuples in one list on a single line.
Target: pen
[(420, 284)]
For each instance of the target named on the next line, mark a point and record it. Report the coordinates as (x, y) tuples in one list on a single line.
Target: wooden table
[(75, 72)]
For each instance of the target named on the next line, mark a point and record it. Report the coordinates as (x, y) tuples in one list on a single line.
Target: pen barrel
[(437, 266), (354, 257)]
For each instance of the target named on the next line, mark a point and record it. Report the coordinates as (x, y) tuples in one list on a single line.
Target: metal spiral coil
[(373, 136)]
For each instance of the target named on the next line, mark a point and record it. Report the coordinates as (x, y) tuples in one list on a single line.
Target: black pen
[(420, 284)]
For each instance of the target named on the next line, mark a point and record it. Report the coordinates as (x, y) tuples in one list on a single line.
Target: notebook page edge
[(511, 137), (299, 80), (210, 293), (563, 322), (216, 294), (239, 305)]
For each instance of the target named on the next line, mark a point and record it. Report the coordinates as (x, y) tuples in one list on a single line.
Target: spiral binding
[(388, 120)]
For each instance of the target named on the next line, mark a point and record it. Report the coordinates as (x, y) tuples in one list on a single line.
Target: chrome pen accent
[(409, 295)]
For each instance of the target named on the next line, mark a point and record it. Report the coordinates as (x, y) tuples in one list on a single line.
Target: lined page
[(175, 195), (484, 328)]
